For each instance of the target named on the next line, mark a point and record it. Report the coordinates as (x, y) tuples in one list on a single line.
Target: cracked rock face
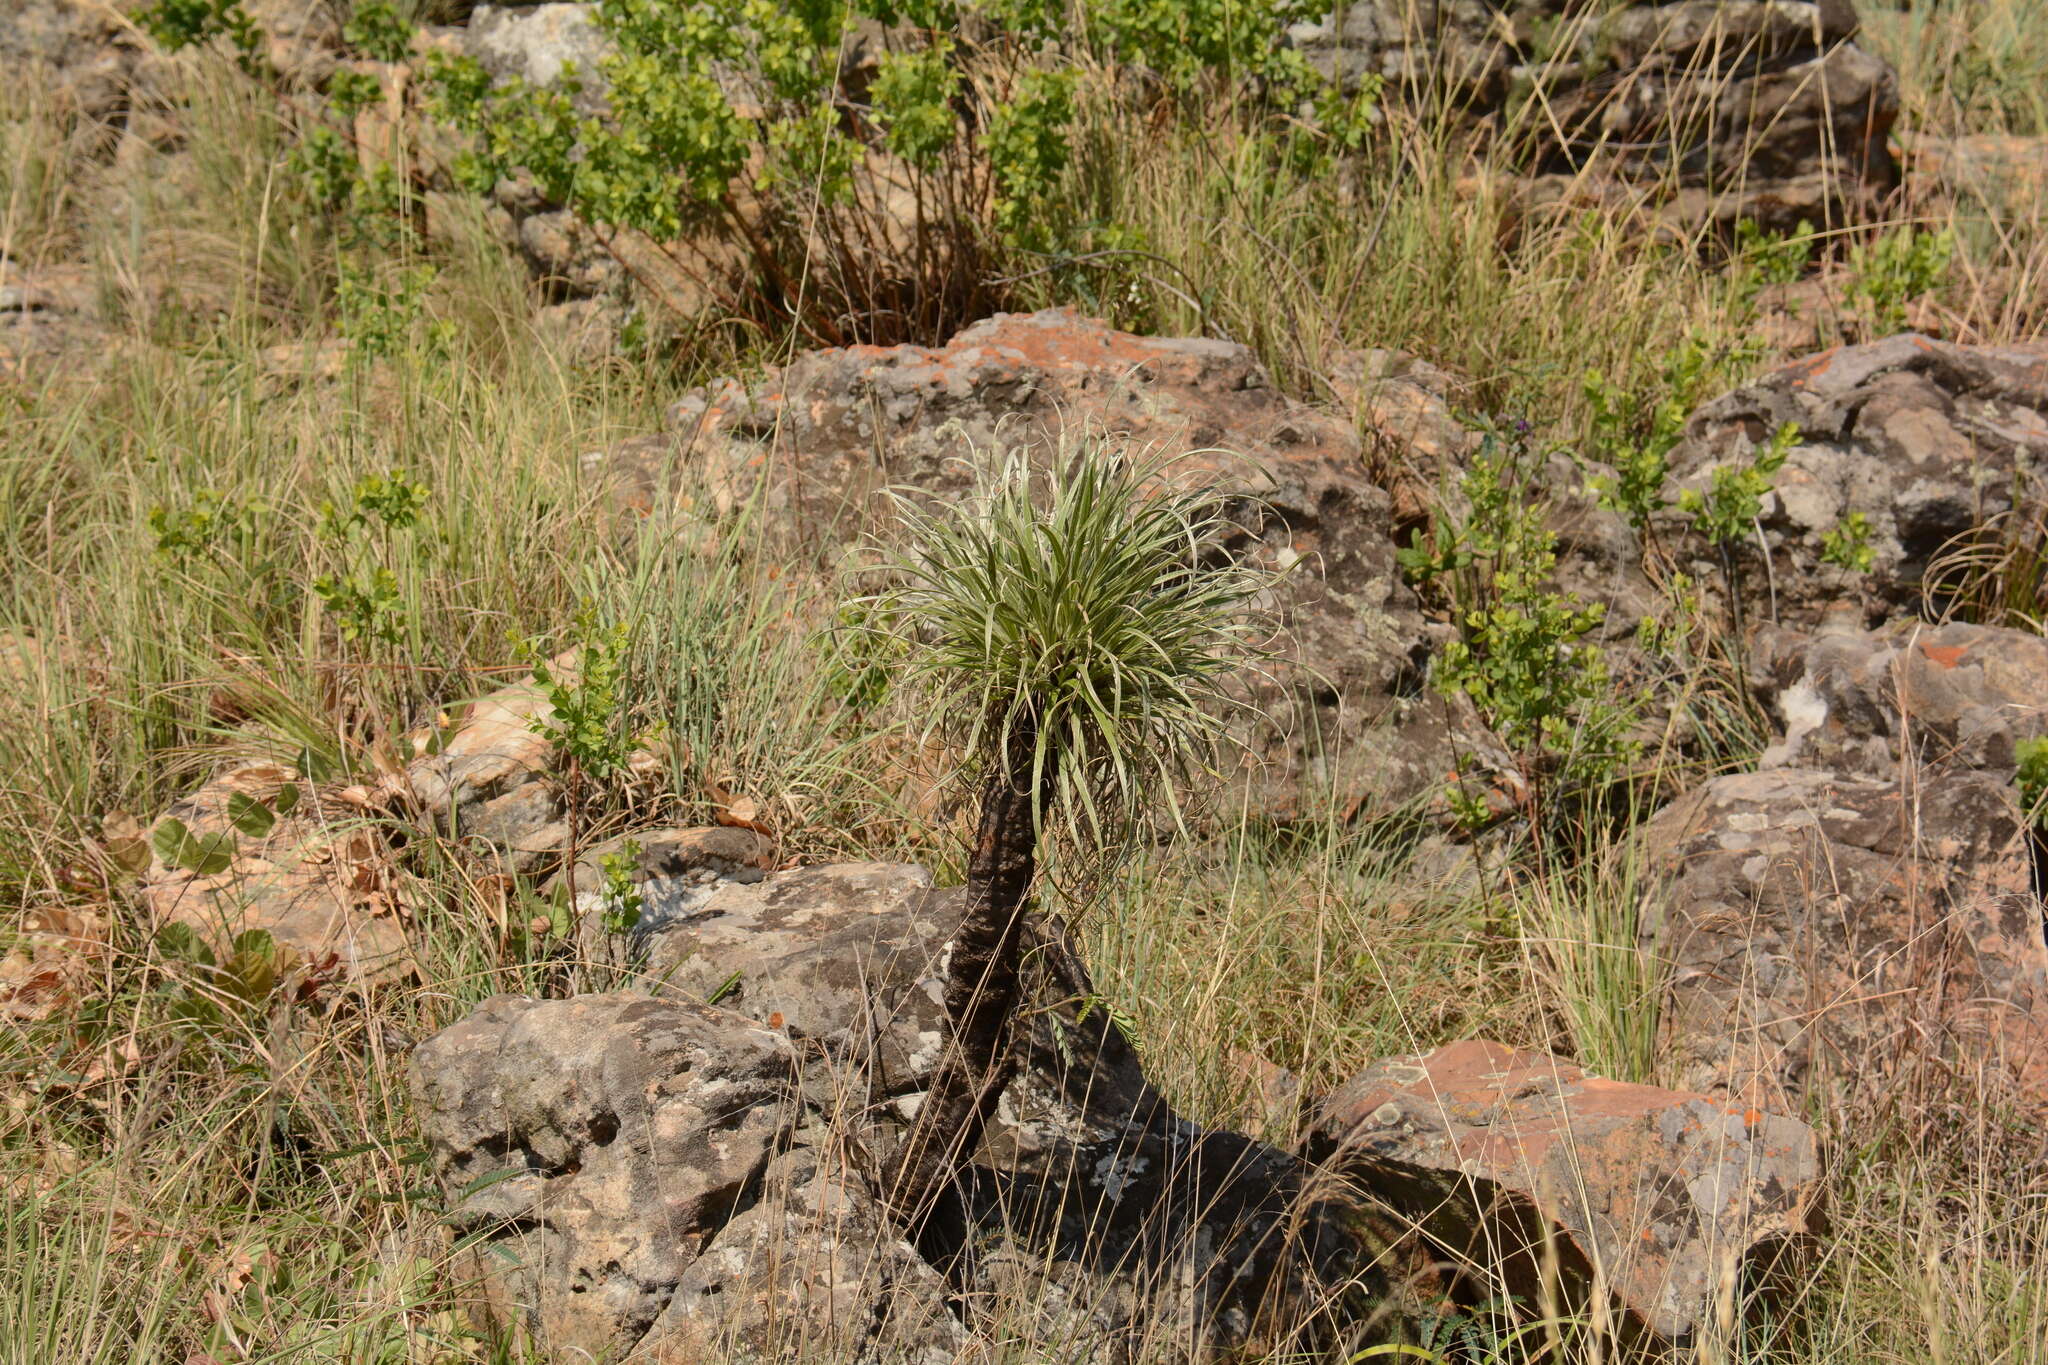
[(1708, 110), (1352, 722), (1870, 941), (1932, 442), (1500, 1153)]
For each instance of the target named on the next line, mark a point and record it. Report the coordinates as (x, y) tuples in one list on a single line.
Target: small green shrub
[(1726, 510), (730, 125), (1895, 268), (1522, 656), (366, 600), (2032, 780), (1847, 545)]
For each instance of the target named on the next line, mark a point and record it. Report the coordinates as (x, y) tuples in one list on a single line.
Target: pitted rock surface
[(623, 1209), (1351, 720), (1870, 941), (814, 1271), (1932, 441), (1500, 1154), (599, 1144), (1775, 112), (1923, 697)]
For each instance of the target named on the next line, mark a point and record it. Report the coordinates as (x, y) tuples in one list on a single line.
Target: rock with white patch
[(1906, 697)]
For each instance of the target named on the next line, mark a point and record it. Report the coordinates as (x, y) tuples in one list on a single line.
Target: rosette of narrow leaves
[(1075, 628), (1093, 606)]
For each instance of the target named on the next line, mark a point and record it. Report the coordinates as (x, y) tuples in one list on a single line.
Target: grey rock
[(597, 1145), (89, 56), (814, 1271), (1349, 721), (1933, 442), (1721, 109), (642, 1206), (1865, 941), (538, 43)]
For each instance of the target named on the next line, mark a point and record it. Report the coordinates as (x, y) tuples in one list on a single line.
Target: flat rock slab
[(1875, 944), (1523, 1161), (320, 879)]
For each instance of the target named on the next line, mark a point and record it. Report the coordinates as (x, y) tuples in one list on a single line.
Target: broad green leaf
[(250, 816)]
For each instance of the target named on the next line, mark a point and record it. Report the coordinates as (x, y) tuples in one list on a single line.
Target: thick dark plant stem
[(981, 989)]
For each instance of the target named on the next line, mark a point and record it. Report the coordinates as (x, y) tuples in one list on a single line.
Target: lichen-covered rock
[(1350, 721), (538, 43), (597, 1146), (813, 1271), (1908, 697), (1870, 941), (1932, 442), (1505, 1156), (1713, 110)]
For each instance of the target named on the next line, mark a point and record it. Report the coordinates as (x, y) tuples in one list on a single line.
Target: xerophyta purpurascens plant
[(1076, 628)]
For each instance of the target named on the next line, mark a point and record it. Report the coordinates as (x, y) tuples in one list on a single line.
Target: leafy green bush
[(860, 202), (2032, 779), (1522, 656), (1894, 269)]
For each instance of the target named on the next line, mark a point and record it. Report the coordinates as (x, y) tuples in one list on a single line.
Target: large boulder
[(1875, 944), (1350, 721), (1932, 442), (1714, 110), (1524, 1163), (1907, 697), (596, 1146), (1155, 1228)]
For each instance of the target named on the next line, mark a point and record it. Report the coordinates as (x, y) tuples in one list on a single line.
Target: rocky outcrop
[(1710, 110), (1523, 1163), (1933, 443), (618, 1155), (1351, 722), (1875, 942), (85, 52)]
